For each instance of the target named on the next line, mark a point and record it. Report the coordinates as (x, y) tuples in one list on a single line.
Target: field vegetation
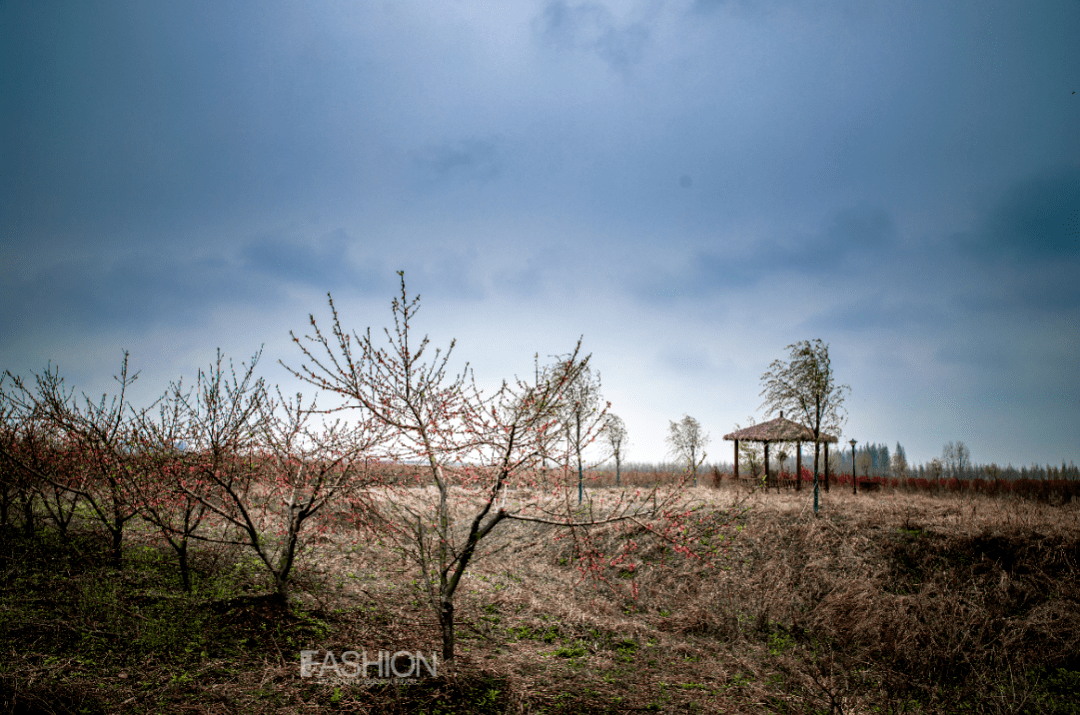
[(204, 553), (894, 601)]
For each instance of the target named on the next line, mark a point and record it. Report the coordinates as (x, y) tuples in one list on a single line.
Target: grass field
[(890, 602)]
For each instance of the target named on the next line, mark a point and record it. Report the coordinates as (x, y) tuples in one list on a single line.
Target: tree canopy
[(805, 387), (687, 441)]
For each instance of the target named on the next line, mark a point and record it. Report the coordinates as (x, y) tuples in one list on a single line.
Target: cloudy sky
[(691, 185)]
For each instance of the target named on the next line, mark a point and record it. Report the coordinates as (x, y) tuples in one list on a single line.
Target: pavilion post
[(736, 462), (766, 464), (854, 481), (798, 466), (826, 466)]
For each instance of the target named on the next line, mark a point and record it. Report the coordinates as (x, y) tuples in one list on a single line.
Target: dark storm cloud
[(861, 235), (162, 162), (705, 274), (324, 264), (877, 313), (1022, 258), (107, 120), (128, 117), (469, 160), (856, 234), (137, 292), (1030, 291), (144, 289), (590, 27), (976, 354), (1033, 219)]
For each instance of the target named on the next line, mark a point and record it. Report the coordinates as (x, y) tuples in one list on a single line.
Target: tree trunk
[(185, 567), (28, 515), (817, 456), (117, 553), (5, 502), (285, 564), (446, 623), (281, 587)]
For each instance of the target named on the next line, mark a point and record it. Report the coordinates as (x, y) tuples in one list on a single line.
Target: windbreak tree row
[(224, 463), (231, 462)]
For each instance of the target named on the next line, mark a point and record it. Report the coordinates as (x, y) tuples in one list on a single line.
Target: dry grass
[(882, 603)]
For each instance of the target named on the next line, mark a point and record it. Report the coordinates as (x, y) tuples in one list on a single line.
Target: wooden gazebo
[(781, 430)]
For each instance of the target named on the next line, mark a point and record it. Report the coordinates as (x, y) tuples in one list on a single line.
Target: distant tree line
[(873, 460), (876, 460)]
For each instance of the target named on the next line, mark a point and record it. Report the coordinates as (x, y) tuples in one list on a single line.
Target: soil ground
[(885, 602)]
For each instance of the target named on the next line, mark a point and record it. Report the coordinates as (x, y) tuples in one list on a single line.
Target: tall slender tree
[(615, 434), (805, 386), (581, 404), (899, 464), (687, 441), (956, 459)]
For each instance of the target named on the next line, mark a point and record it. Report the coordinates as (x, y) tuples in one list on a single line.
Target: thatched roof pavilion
[(781, 430)]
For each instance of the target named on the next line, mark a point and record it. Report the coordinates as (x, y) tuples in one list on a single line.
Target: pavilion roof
[(778, 430)]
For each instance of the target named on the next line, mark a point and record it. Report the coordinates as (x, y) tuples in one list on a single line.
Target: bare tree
[(615, 434), (304, 467), (580, 406), (899, 466), (37, 461), (263, 467), (865, 462), (98, 438), (687, 441), (219, 425), (956, 459), (474, 447), (948, 459), (752, 459), (164, 460), (26, 460), (805, 386), (963, 459), (9, 440)]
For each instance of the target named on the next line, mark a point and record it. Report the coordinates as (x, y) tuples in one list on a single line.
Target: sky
[(688, 185)]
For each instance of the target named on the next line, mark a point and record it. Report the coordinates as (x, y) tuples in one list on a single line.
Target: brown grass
[(877, 601), (890, 602)]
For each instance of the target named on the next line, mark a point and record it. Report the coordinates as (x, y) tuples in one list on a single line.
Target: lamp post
[(854, 482)]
